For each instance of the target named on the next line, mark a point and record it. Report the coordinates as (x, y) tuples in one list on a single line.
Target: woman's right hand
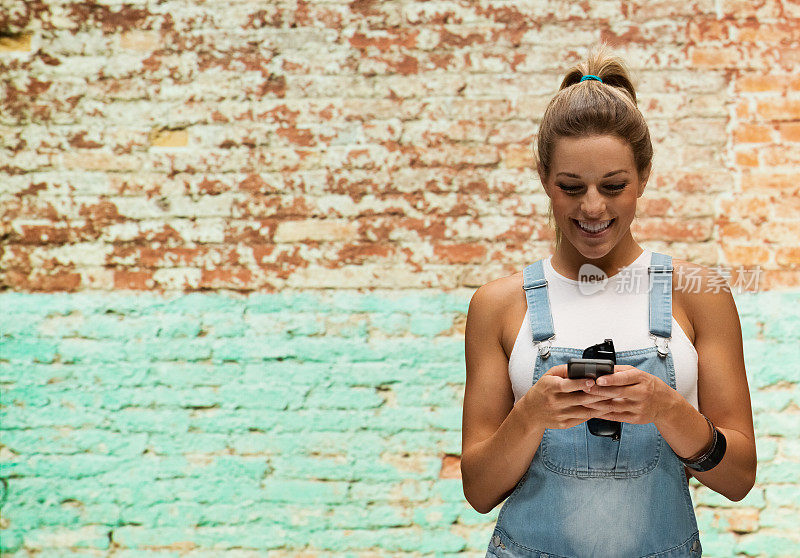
[(556, 401)]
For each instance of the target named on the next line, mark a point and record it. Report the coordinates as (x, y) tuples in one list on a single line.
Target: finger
[(605, 391), (560, 370), (581, 412), (617, 405), (600, 407), (596, 406), (625, 377), (589, 399), (568, 386), (620, 416)]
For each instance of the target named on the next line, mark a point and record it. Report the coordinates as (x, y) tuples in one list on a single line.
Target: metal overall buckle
[(544, 347), (662, 344)]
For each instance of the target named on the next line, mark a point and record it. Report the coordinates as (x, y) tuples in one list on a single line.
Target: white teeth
[(593, 228)]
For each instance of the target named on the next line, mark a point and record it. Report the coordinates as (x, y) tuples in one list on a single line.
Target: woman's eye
[(570, 189), (614, 188)]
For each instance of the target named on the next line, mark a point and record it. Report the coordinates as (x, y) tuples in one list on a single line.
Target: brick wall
[(198, 198)]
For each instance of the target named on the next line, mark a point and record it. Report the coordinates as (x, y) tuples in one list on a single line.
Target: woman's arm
[(499, 438), (723, 394), (498, 442)]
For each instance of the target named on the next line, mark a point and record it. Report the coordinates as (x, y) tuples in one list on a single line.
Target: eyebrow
[(612, 173)]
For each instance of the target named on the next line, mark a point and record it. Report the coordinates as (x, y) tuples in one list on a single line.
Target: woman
[(677, 396)]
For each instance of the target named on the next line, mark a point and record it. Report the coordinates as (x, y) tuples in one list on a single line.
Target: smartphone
[(578, 368)]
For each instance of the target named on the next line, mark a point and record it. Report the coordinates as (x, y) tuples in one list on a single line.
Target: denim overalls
[(591, 496)]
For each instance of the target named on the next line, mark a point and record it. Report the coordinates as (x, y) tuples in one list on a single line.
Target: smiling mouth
[(593, 228)]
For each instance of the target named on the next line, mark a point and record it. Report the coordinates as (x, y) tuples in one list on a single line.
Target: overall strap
[(539, 314), (660, 276)]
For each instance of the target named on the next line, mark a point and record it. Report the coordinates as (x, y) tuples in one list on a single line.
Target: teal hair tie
[(590, 76)]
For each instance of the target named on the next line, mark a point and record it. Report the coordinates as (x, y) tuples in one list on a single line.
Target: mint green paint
[(783, 495), (290, 421), (771, 401), (717, 544), (768, 544), (430, 325), (790, 449), (783, 472), (27, 350), (782, 519), (767, 449), (707, 497)]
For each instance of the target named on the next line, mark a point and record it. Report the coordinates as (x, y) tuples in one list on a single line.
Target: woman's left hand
[(634, 396)]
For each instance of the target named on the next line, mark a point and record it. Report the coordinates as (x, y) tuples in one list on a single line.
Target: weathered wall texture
[(195, 197), (252, 145)]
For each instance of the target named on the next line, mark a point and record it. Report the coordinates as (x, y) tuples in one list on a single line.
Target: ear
[(643, 177)]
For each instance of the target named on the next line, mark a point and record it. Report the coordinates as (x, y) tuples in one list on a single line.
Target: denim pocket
[(577, 452)]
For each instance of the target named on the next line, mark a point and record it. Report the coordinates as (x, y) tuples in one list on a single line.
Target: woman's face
[(593, 185)]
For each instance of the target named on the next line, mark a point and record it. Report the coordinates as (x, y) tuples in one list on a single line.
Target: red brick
[(752, 31), (385, 39), (782, 232), (789, 131), (451, 467), (778, 279), (646, 10), (785, 183), (715, 57), (737, 254), (780, 156), (752, 133), (236, 278), (60, 279), (410, 123), (788, 257), (708, 29), (516, 156), (735, 231), (670, 229), (755, 208), (135, 280), (653, 207), (743, 9), (460, 253), (779, 109), (747, 158), (749, 82)]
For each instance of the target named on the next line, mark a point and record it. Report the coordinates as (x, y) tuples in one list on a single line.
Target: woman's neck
[(567, 261)]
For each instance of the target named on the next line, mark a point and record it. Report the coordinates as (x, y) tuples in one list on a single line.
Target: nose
[(593, 203)]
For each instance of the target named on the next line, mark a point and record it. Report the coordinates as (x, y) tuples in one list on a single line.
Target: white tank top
[(620, 311)]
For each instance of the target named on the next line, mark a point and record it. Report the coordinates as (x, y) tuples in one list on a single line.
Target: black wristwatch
[(712, 456)]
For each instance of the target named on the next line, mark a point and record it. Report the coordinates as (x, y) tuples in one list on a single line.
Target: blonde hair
[(591, 107)]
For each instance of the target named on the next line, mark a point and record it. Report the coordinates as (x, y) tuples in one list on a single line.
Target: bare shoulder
[(498, 307), (698, 283), (705, 295), (500, 293)]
